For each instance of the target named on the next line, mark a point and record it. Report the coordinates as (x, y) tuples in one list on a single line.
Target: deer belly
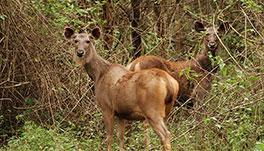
[(130, 115), (128, 109)]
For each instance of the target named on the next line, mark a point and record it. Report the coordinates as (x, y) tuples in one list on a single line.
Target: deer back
[(130, 96)]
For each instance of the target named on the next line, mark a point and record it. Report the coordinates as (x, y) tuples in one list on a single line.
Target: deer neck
[(96, 66)]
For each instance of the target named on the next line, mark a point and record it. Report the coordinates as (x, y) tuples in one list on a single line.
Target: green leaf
[(181, 73), (251, 44), (254, 78), (2, 17), (206, 121), (17, 85), (259, 146), (186, 7), (218, 126)]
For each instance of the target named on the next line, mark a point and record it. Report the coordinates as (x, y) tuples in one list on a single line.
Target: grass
[(237, 130)]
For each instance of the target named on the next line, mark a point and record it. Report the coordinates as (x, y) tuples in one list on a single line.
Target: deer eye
[(75, 41), (87, 41)]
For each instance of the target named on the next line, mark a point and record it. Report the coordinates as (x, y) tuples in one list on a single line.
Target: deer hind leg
[(109, 123), (121, 124), (147, 137), (158, 125)]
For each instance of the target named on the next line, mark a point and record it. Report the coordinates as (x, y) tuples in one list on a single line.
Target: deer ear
[(68, 32), (199, 27), (96, 33), (223, 27)]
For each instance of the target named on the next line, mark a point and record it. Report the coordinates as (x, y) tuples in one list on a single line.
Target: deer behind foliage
[(197, 87), (141, 95)]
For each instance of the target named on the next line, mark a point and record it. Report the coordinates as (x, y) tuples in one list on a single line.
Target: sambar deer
[(141, 95), (201, 67)]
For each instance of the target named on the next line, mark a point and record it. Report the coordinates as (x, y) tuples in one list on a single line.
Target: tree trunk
[(136, 35), (108, 27), (179, 36), (160, 14)]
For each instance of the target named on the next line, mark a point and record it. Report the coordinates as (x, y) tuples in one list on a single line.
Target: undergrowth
[(212, 133)]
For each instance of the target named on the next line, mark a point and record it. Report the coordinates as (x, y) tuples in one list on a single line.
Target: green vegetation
[(47, 101)]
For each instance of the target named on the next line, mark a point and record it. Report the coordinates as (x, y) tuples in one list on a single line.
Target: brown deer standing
[(142, 95), (196, 88)]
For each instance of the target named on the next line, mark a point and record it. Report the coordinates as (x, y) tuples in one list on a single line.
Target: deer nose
[(212, 45), (80, 53)]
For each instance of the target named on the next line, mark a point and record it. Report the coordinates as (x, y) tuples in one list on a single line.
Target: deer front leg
[(121, 124), (109, 123)]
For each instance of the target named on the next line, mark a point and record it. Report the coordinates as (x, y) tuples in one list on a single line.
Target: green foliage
[(236, 130), (252, 5), (2, 17), (190, 74), (34, 137), (259, 146), (37, 138), (70, 12), (229, 130)]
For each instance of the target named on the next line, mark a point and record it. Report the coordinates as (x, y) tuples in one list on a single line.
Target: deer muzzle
[(80, 53), (212, 45)]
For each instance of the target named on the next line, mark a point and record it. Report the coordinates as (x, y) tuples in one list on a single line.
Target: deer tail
[(172, 90)]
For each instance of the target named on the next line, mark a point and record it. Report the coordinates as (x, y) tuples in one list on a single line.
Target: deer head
[(83, 42), (211, 41)]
